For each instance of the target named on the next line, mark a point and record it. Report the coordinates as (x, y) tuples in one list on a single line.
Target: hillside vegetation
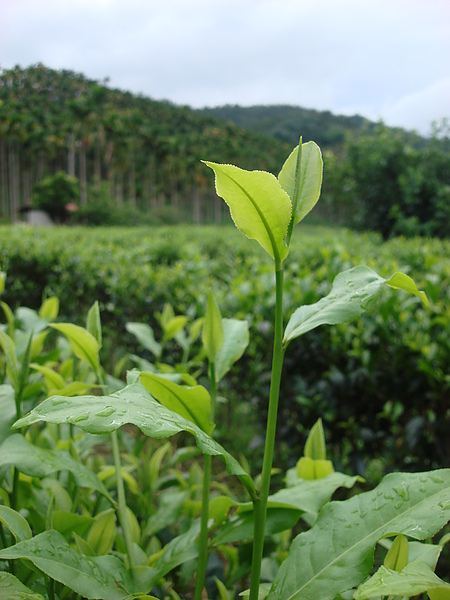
[(119, 158)]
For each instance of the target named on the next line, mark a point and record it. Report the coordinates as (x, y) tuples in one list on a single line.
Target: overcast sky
[(383, 59)]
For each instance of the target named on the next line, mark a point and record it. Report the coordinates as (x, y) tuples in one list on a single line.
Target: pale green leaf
[(12, 589), (40, 462), (53, 379), (400, 281), (337, 553), (83, 344), (192, 403), (133, 404), (52, 554), (103, 532), (315, 444), (2, 282), (94, 323), (9, 317), (173, 326), (235, 341), (311, 468), (398, 555), (145, 336), (303, 185), (352, 293), (9, 349), (7, 410), (416, 578), (49, 309), (212, 334), (259, 206)]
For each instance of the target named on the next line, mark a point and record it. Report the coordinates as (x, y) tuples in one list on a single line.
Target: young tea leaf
[(192, 403), (84, 344), (212, 335), (301, 178), (12, 588), (93, 322), (416, 578), (259, 206), (145, 336), (52, 554), (397, 557), (49, 309), (235, 341), (337, 553)]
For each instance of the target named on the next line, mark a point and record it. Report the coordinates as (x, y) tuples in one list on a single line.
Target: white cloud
[(418, 109), (365, 56)]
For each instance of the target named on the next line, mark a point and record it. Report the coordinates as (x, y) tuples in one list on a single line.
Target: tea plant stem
[(260, 505), (203, 538), (122, 508)]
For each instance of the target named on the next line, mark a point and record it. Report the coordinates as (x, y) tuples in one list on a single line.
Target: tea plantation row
[(381, 383)]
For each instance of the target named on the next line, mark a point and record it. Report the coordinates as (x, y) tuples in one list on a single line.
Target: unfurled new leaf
[(259, 206), (93, 322), (212, 334), (235, 341), (192, 403), (84, 345), (50, 308), (398, 555), (301, 178)]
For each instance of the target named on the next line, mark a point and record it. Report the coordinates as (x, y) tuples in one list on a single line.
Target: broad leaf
[(145, 336), (133, 404), (83, 343), (259, 206), (40, 462), (235, 341), (52, 554), (16, 523), (302, 182), (212, 334), (337, 553), (353, 292), (12, 588), (192, 403), (416, 578)]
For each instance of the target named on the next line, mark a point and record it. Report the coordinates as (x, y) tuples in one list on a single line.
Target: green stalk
[(121, 500), (122, 505), (203, 538), (260, 505)]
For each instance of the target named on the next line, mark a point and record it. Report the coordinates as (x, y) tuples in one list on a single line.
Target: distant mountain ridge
[(287, 122)]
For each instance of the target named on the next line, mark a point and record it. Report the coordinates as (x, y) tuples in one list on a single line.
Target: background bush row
[(381, 384)]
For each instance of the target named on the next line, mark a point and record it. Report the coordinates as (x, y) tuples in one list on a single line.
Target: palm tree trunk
[(83, 177)]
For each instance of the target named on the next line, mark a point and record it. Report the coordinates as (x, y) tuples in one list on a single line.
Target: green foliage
[(391, 185), (54, 192), (128, 518)]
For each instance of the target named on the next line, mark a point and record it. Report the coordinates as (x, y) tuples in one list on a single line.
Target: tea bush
[(383, 397)]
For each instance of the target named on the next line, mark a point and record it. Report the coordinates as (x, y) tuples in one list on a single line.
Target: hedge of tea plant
[(383, 397)]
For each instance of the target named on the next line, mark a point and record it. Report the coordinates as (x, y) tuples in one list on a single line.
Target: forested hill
[(285, 122), (146, 152)]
